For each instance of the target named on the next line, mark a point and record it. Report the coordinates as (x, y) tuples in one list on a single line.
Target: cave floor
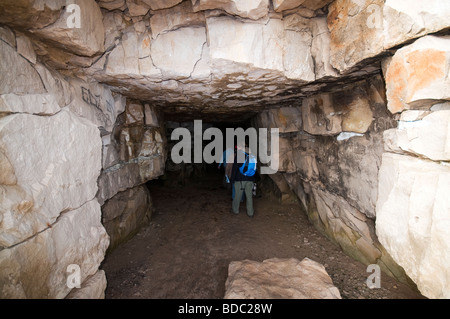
[(185, 250)]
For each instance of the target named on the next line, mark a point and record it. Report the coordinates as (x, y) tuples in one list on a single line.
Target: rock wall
[(330, 153), (134, 152), (50, 146), (366, 151), (413, 205), (67, 147)]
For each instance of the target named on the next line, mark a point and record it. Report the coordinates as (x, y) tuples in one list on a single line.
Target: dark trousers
[(241, 187)]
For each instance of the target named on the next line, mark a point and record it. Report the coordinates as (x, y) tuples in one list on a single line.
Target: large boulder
[(251, 9), (279, 278), (39, 267), (78, 30), (362, 29), (421, 133), (45, 176), (412, 220), (417, 74)]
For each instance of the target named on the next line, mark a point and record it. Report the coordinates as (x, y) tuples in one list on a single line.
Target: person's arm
[(222, 160), (234, 171)]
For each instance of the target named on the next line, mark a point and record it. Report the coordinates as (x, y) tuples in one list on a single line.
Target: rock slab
[(279, 278)]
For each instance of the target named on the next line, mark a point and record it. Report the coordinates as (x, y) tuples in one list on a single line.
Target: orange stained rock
[(412, 72), (426, 66)]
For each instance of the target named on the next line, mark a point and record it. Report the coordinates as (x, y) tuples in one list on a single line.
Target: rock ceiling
[(207, 58)]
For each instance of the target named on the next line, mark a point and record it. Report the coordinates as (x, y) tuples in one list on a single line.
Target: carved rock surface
[(279, 278), (413, 220), (47, 170)]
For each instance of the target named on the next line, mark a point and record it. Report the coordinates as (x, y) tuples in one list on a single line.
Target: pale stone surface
[(95, 102), (77, 238), (297, 59), (214, 63), (252, 9), (255, 44), (137, 8), (320, 48), (88, 39), (364, 29), (281, 5), (18, 76), (316, 4), (47, 167), (346, 226), (413, 220), (276, 47), (406, 19), (55, 84), (43, 104), (134, 153), (161, 4), (279, 278), (131, 58), (176, 53), (151, 118), (351, 38), (418, 73), (92, 288), (125, 213), (8, 36), (428, 137), (174, 18), (25, 48)]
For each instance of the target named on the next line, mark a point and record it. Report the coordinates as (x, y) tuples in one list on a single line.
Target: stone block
[(55, 168), (416, 76), (412, 220), (278, 278)]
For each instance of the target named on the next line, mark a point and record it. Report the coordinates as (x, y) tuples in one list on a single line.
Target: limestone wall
[(330, 153), (370, 161), (67, 147), (134, 152), (358, 88), (413, 205), (51, 158)]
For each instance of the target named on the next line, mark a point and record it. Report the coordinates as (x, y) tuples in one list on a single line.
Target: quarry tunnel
[(356, 93)]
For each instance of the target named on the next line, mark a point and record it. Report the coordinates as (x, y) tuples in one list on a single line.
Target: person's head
[(240, 145)]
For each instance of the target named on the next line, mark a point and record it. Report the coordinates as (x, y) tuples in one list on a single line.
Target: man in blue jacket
[(242, 175)]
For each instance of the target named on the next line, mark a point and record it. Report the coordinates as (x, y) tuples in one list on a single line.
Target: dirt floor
[(185, 250)]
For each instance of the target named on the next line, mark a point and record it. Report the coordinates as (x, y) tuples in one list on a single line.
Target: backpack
[(249, 166)]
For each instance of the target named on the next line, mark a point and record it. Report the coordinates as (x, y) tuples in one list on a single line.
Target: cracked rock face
[(279, 278), (216, 57), (82, 89)]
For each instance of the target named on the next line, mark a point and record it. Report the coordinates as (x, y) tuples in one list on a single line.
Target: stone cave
[(92, 205)]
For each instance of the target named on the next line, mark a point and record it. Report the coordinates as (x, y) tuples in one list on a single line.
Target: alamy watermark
[(74, 278), (258, 141), (375, 18), (74, 18), (374, 280)]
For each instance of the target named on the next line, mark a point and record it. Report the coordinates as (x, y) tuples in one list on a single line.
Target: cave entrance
[(192, 237)]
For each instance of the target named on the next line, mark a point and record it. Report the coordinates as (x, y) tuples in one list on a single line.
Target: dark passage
[(185, 250)]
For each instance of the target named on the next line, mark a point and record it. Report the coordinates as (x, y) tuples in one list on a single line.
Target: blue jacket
[(236, 174)]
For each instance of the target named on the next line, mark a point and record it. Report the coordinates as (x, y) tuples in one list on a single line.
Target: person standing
[(243, 177)]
